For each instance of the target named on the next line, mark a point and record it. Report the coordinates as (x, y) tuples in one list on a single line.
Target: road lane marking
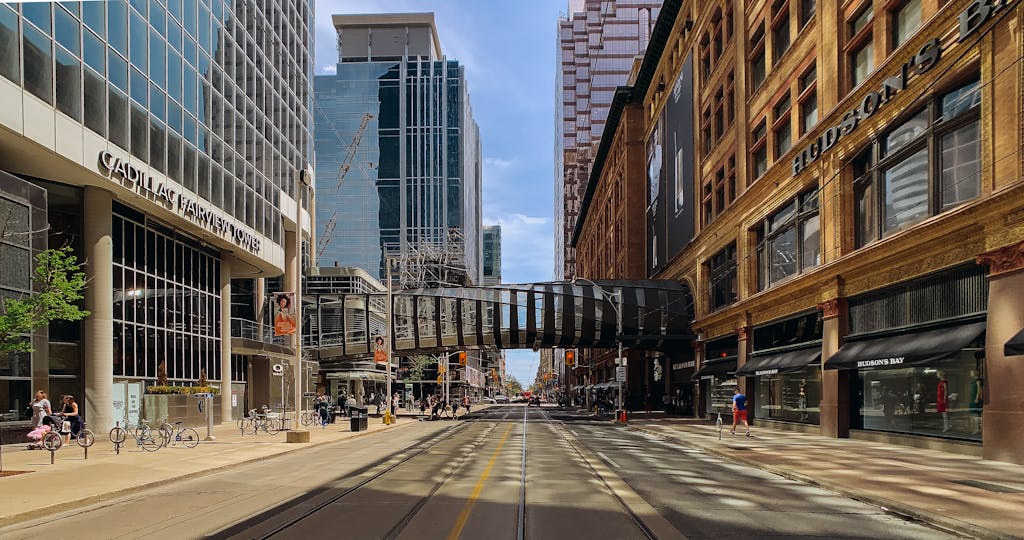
[(609, 460), (460, 522)]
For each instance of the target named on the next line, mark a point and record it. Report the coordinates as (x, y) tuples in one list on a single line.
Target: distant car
[(534, 401), (501, 399), (487, 400)]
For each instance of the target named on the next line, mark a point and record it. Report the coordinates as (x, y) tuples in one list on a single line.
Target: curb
[(110, 495), (945, 524)]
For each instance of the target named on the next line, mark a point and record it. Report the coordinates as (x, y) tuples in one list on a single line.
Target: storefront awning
[(1015, 346), (357, 376), (912, 348), (786, 362), (719, 367)]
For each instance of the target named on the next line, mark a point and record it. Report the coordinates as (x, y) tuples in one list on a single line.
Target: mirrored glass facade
[(214, 95)]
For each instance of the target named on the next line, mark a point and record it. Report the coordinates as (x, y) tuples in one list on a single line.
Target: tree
[(512, 386), (58, 282)]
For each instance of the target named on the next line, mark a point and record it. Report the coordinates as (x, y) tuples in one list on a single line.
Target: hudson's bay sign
[(135, 179)]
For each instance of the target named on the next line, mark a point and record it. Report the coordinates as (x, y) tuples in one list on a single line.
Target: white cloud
[(329, 69), (526, 246), (499, 162)]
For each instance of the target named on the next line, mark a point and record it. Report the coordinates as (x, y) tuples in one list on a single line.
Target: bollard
[(52, 452)]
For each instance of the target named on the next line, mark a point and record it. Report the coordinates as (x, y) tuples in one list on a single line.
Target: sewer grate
[(988, 486)]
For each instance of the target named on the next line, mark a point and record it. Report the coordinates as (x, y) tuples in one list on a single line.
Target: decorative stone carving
[(831, 309), (1003, 260), (743, 333)]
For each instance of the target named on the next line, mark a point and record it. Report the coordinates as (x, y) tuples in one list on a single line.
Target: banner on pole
[(284, 313), (380, 354)]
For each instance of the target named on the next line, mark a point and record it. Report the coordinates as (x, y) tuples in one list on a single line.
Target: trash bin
[(359, 418)]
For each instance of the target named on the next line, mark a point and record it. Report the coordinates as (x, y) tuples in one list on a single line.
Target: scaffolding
[(426, 265)]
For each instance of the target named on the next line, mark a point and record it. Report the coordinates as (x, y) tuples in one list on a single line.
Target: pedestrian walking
[(378, 401), (70, 412), (465, 404), (455, 408), (394, 405), (40, 408), (423, 406), (739, 410)]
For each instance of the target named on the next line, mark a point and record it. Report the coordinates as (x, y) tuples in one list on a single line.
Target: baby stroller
[(47, 435)]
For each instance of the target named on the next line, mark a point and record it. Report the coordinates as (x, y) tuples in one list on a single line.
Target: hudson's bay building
[(840, 185), (398, 153), (169, 137)]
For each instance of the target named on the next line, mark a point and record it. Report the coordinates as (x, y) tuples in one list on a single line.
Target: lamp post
[(617, 295), (388, 263)]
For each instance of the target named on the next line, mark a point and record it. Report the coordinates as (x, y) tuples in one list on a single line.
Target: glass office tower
[(170, 136), (398, 151)]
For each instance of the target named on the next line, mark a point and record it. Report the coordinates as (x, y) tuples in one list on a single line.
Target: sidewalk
[(73, 481), (964, 494)]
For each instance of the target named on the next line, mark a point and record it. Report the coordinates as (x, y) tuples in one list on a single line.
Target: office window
[(69, 84), (759, 146), (859, 47), (722, 277), (788, 240), (808, 99), (780, 31), (807, 10), (38, 63), (781, 129), (10, 59), (906, 19), (757, 59), (898, 181), (719, 191)]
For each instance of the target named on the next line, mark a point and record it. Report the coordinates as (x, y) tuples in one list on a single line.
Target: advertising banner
[(284, 313)]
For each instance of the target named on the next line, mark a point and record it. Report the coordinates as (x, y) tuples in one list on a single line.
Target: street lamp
[(605, 295), (389, 262)]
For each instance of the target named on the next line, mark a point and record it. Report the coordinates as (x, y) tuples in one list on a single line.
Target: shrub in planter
[(164, 390)]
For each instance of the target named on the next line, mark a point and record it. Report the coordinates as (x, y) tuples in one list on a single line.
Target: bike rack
[(117, 444)]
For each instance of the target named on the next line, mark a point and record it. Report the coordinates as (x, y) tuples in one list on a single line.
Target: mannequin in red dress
[(942, 399)]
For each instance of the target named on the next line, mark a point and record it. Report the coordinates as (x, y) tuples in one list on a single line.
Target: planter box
[(176, 407)]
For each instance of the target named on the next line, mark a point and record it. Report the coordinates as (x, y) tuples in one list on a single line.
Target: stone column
[(835, 383), (225, 338), (98, 339), (1003, 392), (745, 384)]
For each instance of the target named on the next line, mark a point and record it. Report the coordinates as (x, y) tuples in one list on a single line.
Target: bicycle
[(261, 421), (141, 433), (176, 432), (310, 417)]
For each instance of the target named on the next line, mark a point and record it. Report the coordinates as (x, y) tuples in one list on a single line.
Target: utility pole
[(387, 341)]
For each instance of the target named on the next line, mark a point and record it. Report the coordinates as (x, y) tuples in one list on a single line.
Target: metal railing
[(263, 333)]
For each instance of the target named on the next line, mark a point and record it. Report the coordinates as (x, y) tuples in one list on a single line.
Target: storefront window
[(789, 397), (935, 399)]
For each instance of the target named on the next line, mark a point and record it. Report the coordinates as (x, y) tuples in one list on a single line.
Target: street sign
[(620, 374), (621, 362)]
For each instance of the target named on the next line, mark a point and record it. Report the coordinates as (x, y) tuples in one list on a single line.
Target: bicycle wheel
[(273, 425), (188, 437), (243, 424), (118, 435), (166, 431), (151, 444), (52, 441), (142, 431), (307, 418), (86, 438)]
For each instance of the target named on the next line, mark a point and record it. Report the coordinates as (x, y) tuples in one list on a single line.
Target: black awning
[(1015, 346), (718, 367), (786, 362), (912, 348)]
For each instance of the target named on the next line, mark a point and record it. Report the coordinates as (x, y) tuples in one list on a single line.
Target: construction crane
[(346, 165)]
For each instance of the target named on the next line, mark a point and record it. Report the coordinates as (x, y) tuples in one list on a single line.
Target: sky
[(509, 51)]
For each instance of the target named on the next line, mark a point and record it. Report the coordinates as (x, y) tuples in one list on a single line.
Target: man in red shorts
[(739, 410)]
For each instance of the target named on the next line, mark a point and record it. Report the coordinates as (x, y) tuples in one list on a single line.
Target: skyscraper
[(492, 255), (598, 41), (400, 153), (171, 138)]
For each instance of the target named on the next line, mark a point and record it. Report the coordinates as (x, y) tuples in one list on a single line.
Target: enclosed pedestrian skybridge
[(527, 316)]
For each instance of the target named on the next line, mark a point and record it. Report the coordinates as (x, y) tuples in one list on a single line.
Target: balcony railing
[(246, 329)]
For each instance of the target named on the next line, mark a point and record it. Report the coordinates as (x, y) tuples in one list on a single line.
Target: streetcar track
[(399, 459), (521, 519), (648, 533)]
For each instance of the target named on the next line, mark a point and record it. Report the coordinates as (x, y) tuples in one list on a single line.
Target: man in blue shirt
[(739, 410)]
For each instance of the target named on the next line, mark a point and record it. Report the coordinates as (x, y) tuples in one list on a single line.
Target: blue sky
[(508, 48)]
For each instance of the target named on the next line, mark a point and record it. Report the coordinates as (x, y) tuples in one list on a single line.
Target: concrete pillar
[(835, 383), (1002, 415), (225, 338), (98, 339), (745, 384)]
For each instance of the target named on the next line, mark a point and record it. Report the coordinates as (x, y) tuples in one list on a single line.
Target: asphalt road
[(581, 479)]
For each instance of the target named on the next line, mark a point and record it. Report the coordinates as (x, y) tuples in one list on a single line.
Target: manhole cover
[(12, 473), (988, 486)]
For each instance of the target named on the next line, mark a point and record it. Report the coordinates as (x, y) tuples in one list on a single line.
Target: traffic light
[(570, 358), (462, 358), (440, 379)]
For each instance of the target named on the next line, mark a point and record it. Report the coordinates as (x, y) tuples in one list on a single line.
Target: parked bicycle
[(257, 421), (178, 433), (142, 434)]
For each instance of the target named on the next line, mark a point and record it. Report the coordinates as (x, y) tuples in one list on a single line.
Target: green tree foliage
[(418, 366), (58, 282), (512, 386)]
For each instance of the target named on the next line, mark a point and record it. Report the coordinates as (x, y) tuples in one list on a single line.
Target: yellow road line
[(468, 507)]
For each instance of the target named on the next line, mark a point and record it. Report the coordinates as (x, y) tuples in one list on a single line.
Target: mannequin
[(942, 399), (975, 403)]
